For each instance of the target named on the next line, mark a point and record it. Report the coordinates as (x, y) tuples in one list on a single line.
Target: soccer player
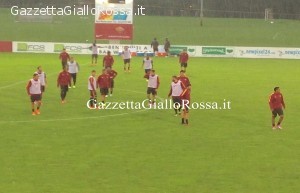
[(167, 46), (154, 45), (112, 75), (153, 84), (175, 91), (34, 91), (63, 81), (64, 57), (147, 65), (92, 85), (108, 60), (73, 68), (103, 82), (277, 105), (126, 55), (183, 59), (95, 52), (185, 97), (42, 78)]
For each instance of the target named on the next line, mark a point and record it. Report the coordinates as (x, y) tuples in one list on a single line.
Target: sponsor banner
[(113, 31), (5, 46), (208, 51), (255, 52), (114, 19), (32, 47)]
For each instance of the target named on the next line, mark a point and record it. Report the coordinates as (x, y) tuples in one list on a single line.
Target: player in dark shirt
[(64, 57), (64, 81), (277, 105)]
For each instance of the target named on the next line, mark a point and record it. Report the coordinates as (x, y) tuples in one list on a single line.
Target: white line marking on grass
[(72, 119)]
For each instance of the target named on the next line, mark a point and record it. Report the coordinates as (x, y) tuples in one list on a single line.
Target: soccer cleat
[(106, 95), (33, 113), (175, 114), (63, 102), (74, 86), (274, 128), (110, 95), (37, 112), (70, 87), (279, 127)]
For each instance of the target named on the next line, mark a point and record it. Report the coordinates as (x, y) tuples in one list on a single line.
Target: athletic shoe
[(63, 102), (274, 128), (33, 113), (175, 114), (110, 95), (70, 87), (37, 112), (106, 95), (279, 127), (74, 86)]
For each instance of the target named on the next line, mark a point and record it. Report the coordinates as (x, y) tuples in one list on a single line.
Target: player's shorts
[(112, 83), (276, 112), (104, 91), (176, 100), (95, 56), (184, 64), (93, 94), (151, 91), (35, 97), (73, 75), (64, 88), (147, 71), (126, 61), (43, 88)]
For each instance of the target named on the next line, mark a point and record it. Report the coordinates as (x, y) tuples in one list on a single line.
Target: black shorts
[(35, 97), (126, 61), (276, 112), (73, 75), (176, 99), (184, 65), (64, 88), (95, 56), (93, 94), (43, 88), (104, 91), (147, 71), (112, 83), (151, 91)]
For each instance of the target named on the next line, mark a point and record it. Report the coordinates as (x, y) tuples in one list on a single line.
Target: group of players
[(180, 85)]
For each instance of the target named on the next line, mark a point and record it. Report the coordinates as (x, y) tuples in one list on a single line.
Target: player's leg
[(280, 113), (112, 84), (186, 117), (63, 93), (183, 116), (148, 95), (124, 65), (274, 114), (128, 62), (32, 105), (74, 80), (154, 93), (96, 59)]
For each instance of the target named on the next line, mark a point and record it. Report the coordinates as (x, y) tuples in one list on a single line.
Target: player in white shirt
[(153, 84), (95, 52), (92, 86), (34, 91), (147, 65), (73, 69), (126, 55), (42, 78), (175, 91)]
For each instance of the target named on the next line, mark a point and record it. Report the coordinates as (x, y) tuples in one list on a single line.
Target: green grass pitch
[(69, 148)]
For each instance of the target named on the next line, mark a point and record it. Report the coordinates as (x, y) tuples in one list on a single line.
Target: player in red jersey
[(64, 81), (64, 57), (34, 91), (112, 75), (183, 59), (277, 105), (108, 60), (92, 85), (185, 97), (103, 82)]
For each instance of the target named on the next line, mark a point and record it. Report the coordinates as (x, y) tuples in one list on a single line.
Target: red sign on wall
[(113, 31)]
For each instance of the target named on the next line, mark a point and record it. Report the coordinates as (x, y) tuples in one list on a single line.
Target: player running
[(34, 91), (185, 97), (175, 91), (147, 65), (92, 85), (103, 82), (64, 57), (153, 84), (112, 74), (63, 81), (73, 69), (183, 59), (108, 60), (42, 78), (277, 105), (126, 55)]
